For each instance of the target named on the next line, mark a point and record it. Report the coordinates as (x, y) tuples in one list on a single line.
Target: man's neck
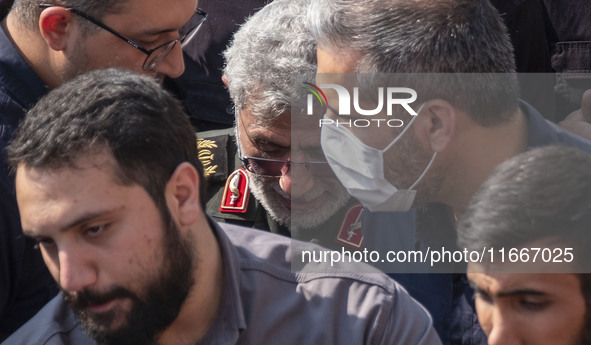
[(32, 47), (201, 306), (479, 152)]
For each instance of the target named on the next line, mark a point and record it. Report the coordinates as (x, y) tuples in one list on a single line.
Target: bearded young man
[(110, 186)]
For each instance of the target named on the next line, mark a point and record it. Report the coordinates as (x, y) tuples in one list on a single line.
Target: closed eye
[(534, 304), (43, 242), (483, 296), (95, 230)]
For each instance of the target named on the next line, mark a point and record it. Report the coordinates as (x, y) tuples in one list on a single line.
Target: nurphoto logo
[(388, 97)]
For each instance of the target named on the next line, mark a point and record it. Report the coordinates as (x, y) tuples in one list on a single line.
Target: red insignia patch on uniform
[(236, 192), (351, 232)]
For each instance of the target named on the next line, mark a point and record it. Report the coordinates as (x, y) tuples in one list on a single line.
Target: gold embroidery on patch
[(206, 156), (206, 144)]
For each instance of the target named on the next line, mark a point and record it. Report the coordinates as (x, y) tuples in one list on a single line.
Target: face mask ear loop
[(237, 136), (424, 172), (414, 117)]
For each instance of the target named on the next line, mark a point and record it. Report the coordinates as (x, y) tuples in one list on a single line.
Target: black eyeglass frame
[(185, 38), (246, 161)]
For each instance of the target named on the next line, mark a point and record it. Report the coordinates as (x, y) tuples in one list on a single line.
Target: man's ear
[(441, 123), (182, 193), (225, 80), (55, 24)]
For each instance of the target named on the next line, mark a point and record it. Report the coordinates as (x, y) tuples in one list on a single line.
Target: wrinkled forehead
[(249, 120), (299, 134)]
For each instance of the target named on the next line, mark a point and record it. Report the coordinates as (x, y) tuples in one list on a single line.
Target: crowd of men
[(134, 188)]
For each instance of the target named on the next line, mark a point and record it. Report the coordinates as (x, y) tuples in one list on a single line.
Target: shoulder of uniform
[(216, 150), (227, 183)]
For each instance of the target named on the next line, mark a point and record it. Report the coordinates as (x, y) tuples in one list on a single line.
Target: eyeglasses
[(156, 55), (275, 167)]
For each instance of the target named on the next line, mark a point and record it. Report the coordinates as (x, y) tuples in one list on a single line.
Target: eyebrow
[(84, 218), (156, 32), (520, 292), (508, 293), (259, 139)]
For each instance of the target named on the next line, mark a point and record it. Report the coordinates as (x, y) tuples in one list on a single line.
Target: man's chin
[(110, 321), (111, 328), (308, 212)]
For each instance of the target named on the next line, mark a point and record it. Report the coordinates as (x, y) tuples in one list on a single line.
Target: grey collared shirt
[(264, 302)]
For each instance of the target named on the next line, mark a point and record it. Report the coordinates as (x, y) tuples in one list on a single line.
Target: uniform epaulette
[(236, 192), (216, 150), (227, 183)]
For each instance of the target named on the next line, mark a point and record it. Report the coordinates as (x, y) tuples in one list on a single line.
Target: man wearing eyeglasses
[(295, 192), (42, 45)]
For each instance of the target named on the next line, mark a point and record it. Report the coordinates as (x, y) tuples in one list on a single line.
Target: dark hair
[(142, 125), (268, 58), (28, 11), (544, 193), (435, 36)]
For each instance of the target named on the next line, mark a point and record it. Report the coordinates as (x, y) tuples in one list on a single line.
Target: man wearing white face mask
[(367, 182), (467, 125)]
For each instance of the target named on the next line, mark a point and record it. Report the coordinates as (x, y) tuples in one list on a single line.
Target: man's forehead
[(101, 160), (152, 17), (58, 200), (253, 122), (504, 282), (285, 132)]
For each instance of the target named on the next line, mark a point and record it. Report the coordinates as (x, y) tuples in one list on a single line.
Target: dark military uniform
[(226, 180)]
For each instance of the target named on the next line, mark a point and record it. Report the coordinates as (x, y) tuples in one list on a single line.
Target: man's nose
[(503, 332), (296, 180), (76, 270), (173, 64)]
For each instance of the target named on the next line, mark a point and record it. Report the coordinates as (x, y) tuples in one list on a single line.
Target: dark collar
[(17, 78)]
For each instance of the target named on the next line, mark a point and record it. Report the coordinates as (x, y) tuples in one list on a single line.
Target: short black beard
[(161, 302)]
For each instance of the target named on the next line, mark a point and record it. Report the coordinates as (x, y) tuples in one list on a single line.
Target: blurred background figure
[(538, 199)]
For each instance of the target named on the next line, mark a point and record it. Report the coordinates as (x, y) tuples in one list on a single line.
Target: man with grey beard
[(295, 191)]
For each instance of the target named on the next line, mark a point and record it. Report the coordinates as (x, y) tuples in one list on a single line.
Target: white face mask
[(360, 168)]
